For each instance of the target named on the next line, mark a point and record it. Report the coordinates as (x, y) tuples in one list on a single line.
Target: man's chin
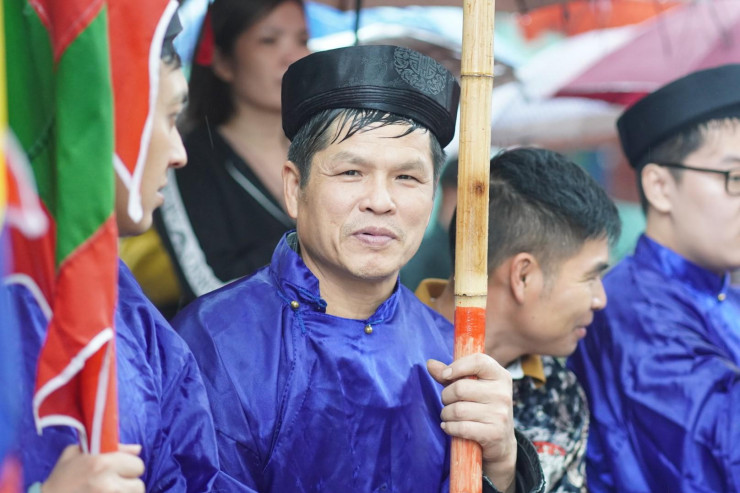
[(127, 227), (372, 273)]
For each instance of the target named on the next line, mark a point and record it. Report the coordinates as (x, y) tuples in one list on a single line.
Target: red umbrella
[(579, 16), (506, 5), (687, 38)]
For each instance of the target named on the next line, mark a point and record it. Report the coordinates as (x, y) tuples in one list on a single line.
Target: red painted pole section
[(465, 459)]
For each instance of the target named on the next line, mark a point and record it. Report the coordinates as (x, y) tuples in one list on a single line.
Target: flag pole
[(471, 275)]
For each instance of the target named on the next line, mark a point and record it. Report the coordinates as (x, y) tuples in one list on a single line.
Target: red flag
[(77, 54)]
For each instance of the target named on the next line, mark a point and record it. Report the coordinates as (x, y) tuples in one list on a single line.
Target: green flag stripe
[(31, 92), (84, 137)]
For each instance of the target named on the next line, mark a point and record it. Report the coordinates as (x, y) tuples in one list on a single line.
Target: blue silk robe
[(305, 401), (162, 402), (661, 368)]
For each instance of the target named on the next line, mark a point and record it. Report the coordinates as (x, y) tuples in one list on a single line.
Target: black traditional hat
[(680, 105), (386, 78)]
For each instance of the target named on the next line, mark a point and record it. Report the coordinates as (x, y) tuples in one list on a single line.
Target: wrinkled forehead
[(360, 141)]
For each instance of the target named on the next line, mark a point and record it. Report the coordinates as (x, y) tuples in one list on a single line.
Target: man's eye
[(351, 172), (407, 177)]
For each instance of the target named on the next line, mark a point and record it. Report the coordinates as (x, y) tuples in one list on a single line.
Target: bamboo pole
[(471, 276)]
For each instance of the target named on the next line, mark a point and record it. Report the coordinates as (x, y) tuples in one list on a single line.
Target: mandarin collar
[(298, 284)]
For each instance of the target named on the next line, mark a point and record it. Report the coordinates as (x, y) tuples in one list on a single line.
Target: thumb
[(437, 369), (130, 448), (69, 452)]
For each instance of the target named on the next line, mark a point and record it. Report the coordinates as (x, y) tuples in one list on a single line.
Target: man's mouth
[(375, 236)]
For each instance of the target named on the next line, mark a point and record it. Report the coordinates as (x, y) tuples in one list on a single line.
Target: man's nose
[(598, 302), (378, 197), (179, 156)]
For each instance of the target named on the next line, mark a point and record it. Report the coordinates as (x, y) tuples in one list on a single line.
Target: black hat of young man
[(386, 78), (697, 98)]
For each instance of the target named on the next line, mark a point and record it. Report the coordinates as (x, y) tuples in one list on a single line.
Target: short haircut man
[(315, 365), (660, 364), (549, 229)]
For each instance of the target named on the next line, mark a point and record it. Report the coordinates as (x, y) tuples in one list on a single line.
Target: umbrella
[(555, 123), (687, 38), (578, 16), (506, 5), (521, 6)]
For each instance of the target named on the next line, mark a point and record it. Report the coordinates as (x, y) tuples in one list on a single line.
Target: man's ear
[(291, 188), (222, 66), (525, 276), (658, 185)]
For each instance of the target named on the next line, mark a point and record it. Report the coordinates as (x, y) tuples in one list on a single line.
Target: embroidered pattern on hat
[(419, 71)]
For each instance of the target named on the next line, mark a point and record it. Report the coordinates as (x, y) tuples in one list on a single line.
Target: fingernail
[(442, 425), (447, 373)]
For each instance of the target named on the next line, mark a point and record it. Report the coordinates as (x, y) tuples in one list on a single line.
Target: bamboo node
[(477, 74)]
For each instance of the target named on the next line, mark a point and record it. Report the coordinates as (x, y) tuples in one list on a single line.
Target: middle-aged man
[(315, 365), (661, 364), (165, 419), (550, 225)]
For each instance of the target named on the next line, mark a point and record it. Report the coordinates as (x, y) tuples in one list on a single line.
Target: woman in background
[(224, 212)]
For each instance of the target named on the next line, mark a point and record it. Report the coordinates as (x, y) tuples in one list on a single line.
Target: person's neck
[(499, 343), (257, 136), (667, 239), (658, 228), (256, 128)]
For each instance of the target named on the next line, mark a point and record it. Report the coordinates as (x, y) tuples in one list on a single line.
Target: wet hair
[(326, 128), (542, 203), (676, 148), (210, 96)]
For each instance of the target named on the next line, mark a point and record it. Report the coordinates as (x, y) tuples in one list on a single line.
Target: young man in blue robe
[(165, 418), (317, 365), (661, 364)]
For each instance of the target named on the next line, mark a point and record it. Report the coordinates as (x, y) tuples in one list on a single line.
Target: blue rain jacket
[(162, 402), (661, 368), (305, 401)]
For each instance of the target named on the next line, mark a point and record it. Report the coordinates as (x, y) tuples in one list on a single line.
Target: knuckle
[(456, 391), (507, 401), (458, 412), (97, 464), (506, 378), (464, 429), (465, 387)]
